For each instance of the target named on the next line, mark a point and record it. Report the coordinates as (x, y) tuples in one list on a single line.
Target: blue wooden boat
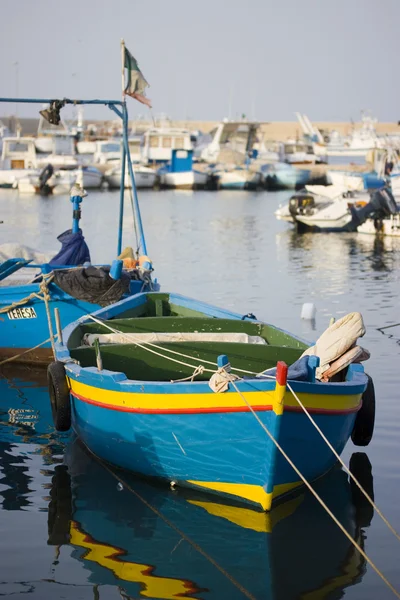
[(143, 397), (151, 542), (26, 320)]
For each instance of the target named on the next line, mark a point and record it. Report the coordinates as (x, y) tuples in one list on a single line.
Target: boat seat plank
[(177, 324), (137, 363), (175, 336)]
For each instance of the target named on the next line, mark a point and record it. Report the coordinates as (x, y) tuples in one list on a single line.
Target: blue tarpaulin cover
[(298, 371), (74, 250)]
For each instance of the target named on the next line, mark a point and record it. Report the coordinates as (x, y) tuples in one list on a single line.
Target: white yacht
[(180, 173), (145, 177), (60, 181), (295, 152), (18, 159), (62, 153), (234, 137), (158, 143), (106, 152), (310, 199), (309, 210)]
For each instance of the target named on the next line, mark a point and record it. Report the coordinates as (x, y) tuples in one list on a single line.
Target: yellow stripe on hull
[(245, 491), (192, 402)]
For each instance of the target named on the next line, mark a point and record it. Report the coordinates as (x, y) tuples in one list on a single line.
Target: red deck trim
[(228, 409), (281, 372)]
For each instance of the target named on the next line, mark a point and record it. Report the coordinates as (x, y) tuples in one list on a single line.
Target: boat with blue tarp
[(67, 283)]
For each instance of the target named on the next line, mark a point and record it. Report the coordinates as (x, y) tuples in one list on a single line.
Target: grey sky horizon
[(208, 60)]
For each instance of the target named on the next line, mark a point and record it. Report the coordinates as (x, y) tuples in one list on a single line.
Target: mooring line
[(316, 495), (175, 528), (353, 477), (3, 362)]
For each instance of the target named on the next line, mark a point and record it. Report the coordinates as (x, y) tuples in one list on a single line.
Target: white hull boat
[(9, 178), (18, 160), (184, 180), (159, 142), (388, 227), (61, 182), (238, 178), (335, 215), (298, 152), (86, 147), (144, 177), (315, 198), (375, 213), (44, 144), (351, 181)]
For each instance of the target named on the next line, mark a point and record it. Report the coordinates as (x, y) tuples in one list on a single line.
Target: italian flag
[(136, 83)]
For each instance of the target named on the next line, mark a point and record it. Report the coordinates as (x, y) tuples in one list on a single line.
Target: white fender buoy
[(308, 311)]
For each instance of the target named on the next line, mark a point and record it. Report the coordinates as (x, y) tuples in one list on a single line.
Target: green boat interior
[(130, 346)]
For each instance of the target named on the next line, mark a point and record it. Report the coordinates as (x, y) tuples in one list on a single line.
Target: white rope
[(316, 495), (144, 346), (198, 371), (342, 463), (46, 297)]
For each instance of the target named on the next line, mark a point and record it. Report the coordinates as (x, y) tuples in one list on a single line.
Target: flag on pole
[(136, 83)]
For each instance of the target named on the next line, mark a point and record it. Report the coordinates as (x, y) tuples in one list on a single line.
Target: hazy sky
[(206, 59)]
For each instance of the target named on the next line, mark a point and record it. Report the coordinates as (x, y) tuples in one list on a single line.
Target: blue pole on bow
[(121, 201), (142, 241), (76, 214)]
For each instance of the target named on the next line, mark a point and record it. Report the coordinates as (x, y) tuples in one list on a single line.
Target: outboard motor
[(381, 205), (301, 203), (44, 177)]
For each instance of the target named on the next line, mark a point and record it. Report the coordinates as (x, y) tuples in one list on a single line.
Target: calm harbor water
[(72, 528)]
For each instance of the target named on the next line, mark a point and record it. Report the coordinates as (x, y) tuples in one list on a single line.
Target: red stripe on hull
[(194, 411)]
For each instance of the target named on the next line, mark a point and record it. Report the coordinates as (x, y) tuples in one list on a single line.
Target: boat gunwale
[(118, 381)]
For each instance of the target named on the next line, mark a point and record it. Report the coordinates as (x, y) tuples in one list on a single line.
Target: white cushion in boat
[(353, 355), (174, 336), (336, 340)]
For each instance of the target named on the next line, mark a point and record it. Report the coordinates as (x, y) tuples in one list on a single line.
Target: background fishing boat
[(26, 331), (181, 173)]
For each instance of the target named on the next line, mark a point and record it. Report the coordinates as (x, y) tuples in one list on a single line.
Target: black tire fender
[(365, 420), (59, 396)]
